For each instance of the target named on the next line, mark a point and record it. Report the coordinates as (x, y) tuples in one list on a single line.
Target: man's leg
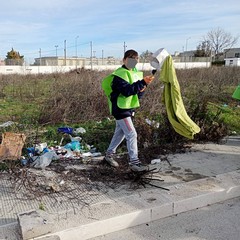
[(131, 137), (130, 133), (117, 138)]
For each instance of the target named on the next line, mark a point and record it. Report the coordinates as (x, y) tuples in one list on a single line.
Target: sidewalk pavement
[(207, 174)]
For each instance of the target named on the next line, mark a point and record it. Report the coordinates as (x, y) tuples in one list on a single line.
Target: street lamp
[(187, 42), (76, 43), (91, 56), (124, 48), (40, 56), (102, 56), (76, 53), (186, 51), (56, 46), (65, 52)]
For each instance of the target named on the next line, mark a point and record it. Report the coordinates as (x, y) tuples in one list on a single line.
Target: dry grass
[(75, 97), (79, 97)]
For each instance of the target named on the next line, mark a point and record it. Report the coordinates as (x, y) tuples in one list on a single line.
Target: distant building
[(188, 56), (2, 63), (59, 61), (232, 57), (232, 53), (232, 61), (75, 61)]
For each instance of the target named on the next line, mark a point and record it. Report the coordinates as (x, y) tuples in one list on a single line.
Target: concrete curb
[(147, 206)]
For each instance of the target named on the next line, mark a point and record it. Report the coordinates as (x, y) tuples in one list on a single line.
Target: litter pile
[(72, 166), (41, 156)]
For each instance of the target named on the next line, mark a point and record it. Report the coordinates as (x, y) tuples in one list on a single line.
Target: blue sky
[(31, 25)]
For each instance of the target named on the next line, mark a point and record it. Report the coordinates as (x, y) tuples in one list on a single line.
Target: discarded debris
[(11, 146), (146, 177), (72, 165), (40, 155), (6, 124), (43, 160)]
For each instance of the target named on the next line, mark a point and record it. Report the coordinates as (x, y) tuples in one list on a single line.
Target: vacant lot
[(37, 102)]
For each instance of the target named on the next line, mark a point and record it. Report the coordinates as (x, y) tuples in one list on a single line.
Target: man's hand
[(148, 79), (143, 89)]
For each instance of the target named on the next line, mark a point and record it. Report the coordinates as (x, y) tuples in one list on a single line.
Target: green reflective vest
[(129, 76)]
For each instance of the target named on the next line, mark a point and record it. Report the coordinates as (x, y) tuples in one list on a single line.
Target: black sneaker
[(138, 167), (109, 159)]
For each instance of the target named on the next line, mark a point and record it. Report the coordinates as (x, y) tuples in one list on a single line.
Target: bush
[(76, 98)]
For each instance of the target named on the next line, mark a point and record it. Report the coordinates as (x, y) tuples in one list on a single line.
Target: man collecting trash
[(124, 87)]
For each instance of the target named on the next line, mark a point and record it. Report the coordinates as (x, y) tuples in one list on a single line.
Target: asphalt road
[(220, 221)]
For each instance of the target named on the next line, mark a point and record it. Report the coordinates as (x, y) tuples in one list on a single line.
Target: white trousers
[(125, 129)]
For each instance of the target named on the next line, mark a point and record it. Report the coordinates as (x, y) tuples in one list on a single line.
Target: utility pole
[(76, 43), (40, 57), (65, 53), (56, 46), (102, 57), (124, 48), (76, 39), (91, 56), (186, 51)]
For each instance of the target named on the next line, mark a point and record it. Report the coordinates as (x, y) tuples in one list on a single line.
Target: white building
[(232, 57), (232, 61)]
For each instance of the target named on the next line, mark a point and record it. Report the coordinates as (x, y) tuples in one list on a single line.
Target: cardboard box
[(11, 146)]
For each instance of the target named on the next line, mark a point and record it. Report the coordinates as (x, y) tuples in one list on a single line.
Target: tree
[(203, 49), (219, 40), (14, 58), (146, 56)]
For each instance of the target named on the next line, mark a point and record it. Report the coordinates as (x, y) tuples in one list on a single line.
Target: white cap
[(158, 58)]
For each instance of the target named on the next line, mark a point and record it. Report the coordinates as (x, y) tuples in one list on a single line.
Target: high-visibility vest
[(130, 76)]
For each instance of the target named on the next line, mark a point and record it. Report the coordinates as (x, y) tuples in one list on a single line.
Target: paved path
[(207, 174), (219, 221)]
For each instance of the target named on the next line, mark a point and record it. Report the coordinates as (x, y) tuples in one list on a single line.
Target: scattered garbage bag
[(67, 130), (6, 124), (74, 146), (24, 161), (31, 151), (38, 149), (79, 130), (41, 148), (156, 161), (44, 160), (75, 138)]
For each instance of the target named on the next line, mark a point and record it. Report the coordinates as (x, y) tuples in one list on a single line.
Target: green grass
[(229, 115), (15, 110), (21, 98), (97, 134)]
